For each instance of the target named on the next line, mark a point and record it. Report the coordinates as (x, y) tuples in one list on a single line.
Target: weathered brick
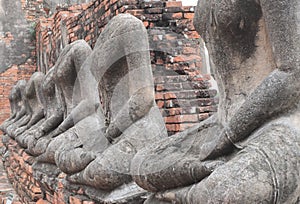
[(160, 104), (171, 86), (181, 119), (180, 111), (159, 96), (192, 35), (204, 109), (88, 202), (173, 127), (173, 4), (203, 116), (75, 200), (153, 10), (146, 23), (194, 85), (189, 15), (152, 4), (171, 16)]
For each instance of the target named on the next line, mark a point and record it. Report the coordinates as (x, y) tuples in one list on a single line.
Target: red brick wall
[(18, 165), (8, 79), (19, 170), (32, 10)]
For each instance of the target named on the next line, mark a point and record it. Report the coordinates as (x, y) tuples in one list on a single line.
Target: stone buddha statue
[(38, 139), (15, 102), (33, 97), (108, 98), (248, 152), (21, 117), (65, 73), (120, 63), (31, 101)]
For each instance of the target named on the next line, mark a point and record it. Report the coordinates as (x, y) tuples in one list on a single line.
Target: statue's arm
[(20, 114), (279, 92), (81, 111), (52, 122), (136, 107), (12, 116), (78, 51), (89, 99), (36, 117), (24, 120)]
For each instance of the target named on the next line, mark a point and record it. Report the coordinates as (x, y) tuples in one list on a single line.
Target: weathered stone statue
[(249, 151), (65, 76), (14, 106), (21, 117), (32, 105), (36, 110), (109, 103), (15, 101), (124, 77), (38, 139)]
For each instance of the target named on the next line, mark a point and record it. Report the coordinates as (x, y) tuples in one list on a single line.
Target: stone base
[(125, 194)]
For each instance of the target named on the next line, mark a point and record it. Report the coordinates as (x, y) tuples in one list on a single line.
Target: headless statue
[(67, 96), (33, 98), (37, 141), (249, 151), (128, 117), (24, 120), (121, 66), (15, 101), (21, 116), (112, 113)]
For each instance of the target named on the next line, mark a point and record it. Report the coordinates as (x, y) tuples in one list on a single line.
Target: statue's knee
[(71, 161), (245, 179), (21, 140), (53, 146), (105, 174), (41, 146), (140, 171)]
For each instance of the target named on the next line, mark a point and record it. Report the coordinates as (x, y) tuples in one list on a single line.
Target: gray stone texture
[(34, 99), (249, 151), (93, 115), (68, 95)]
